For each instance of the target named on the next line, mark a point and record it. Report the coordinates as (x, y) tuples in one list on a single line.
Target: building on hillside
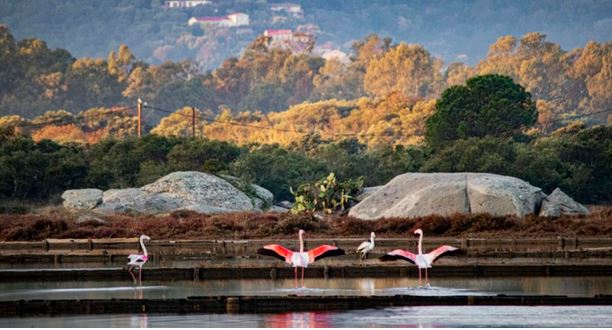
[(185, 3), (292, 9), (231, 20), (278, 35), (297, 42)]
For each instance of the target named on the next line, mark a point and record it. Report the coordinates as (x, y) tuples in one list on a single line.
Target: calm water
[(571, 286), (426, 316), (430, 316)]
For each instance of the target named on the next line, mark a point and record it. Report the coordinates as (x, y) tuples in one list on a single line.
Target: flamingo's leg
[(140, 275), (426, 278), (419, 277), (130, 271), (295, 277), (303, 276)]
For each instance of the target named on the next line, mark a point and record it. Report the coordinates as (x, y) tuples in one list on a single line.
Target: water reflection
[(298, 320), (571, 286), (423, 316)]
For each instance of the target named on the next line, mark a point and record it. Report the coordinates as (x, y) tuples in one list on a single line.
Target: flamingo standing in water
[(366, 247), (138, 260), (301, 258), (423, 261)]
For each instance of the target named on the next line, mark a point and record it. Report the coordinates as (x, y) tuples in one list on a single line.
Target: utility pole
[(139, 118), (193, 122)]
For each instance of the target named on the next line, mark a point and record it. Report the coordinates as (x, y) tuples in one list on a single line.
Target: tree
[(180, 123), (202, 155), (489, 105), (409, 69)]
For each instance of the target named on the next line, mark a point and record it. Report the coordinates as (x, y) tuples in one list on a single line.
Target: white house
[(238, 19), (290, 8), (186, 3), (231, 20), (278, 35)]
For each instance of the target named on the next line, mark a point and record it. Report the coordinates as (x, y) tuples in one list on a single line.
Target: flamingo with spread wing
[(300, 258), (423, 261)]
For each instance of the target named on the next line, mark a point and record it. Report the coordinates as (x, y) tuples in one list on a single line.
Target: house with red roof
[(279, 35)]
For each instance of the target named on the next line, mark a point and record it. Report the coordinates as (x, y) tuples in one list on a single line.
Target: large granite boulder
[(262, 199), (502, 195), (422, 194), (558, 203), (82, 199), (196, 191), (367, 191)]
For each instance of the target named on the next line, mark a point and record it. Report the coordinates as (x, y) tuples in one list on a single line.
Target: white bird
[(301, 258), (366, 247), (423, 261), (138, 260)]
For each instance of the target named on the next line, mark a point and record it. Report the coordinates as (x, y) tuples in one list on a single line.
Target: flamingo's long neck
[(144, 249), (301, 243), (372, 239), (420, 243)]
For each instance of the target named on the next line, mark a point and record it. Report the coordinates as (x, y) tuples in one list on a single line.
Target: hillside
[(454, 31), (267, 80)]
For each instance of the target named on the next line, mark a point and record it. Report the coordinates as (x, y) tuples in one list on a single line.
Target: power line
[(235, 123), (211, 119), (59, 121)]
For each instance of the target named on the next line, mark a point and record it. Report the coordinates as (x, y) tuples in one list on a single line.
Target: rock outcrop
[(502, 195), (422, 194), (558, 203), (195, 191), (82, 199), (367, 191)]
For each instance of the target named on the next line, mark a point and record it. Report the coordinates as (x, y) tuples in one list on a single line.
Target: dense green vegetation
[(489, 105), (578, 161)]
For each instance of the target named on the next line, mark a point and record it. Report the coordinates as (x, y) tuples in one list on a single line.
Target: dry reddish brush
[(191, 225)]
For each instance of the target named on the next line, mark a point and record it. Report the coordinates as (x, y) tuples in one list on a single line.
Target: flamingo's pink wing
[(278, 251), (444, 249), (399, 254), (324, 251)]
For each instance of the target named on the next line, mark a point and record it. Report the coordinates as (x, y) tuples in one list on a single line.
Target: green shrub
[(326, 195)]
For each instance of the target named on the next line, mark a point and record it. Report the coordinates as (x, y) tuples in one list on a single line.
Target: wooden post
[(139, 118), (193, 122)]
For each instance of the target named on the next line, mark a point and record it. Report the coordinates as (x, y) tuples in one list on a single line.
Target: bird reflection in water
[(139, 321), (298, 320), (367, 285)]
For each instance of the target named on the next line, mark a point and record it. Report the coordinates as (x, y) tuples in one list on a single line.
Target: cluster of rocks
[(194, 191), (407, 195), (422, 194)]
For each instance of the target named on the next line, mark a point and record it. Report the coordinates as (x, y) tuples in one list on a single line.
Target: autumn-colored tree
[(60, 134), (409, 69), (180, 123)]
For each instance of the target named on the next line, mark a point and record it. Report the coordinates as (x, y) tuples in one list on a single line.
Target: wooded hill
[(385, 88)]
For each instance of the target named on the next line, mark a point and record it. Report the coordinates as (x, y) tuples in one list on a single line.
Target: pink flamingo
[(420, 259), (301, 258), (138, 260)]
